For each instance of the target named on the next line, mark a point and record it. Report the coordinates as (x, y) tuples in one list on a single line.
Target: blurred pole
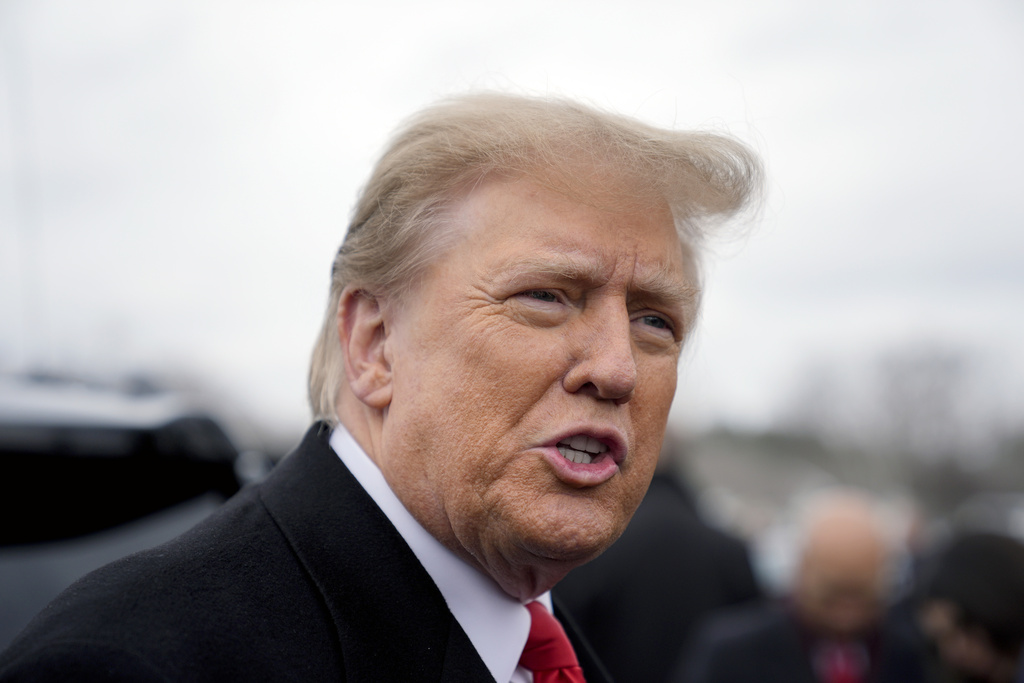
[(15, 66)]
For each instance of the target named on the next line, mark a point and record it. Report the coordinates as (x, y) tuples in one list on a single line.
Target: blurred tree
[(924, 417)]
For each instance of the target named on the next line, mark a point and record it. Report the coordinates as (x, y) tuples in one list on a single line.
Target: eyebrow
[(656, 286)]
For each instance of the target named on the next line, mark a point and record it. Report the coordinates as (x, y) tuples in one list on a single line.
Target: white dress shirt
[(496, 623)]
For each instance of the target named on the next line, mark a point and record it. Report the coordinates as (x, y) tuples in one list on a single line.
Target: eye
[(657, 326), (541, 295), (541, 307), (656, 321)]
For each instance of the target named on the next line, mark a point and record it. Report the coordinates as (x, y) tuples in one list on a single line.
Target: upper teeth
[(580, 448)]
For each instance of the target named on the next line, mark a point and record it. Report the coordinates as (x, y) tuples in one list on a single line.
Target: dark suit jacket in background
[(638, 602), (301, 578), (763, 644)]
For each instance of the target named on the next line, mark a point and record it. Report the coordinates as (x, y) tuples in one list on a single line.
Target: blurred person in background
[(973, 608), (831, 627), (491, 386), (639, 601)]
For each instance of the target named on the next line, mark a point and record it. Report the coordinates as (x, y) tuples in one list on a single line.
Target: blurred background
[(176, 176)]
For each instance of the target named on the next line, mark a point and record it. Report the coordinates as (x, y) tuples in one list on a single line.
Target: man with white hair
[(830, 627), (491, 383)]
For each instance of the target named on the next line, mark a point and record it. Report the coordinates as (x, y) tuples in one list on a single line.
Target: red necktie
[(548, 653), (842, 664)]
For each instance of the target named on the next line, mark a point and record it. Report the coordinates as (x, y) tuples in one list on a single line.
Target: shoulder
[(748, 644), (749, 623), (299, 578), (81, 660), (904, 649), (230, 589)]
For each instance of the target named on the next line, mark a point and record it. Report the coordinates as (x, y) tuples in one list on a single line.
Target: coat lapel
[(392, 622)]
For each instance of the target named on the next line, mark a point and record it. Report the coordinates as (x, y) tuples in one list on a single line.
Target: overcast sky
[(175, 176)]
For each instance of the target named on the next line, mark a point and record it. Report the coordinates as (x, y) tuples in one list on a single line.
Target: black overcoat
[(763, 644), (299, 578)]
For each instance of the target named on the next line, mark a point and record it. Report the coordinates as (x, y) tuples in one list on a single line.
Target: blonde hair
[(397, 227)]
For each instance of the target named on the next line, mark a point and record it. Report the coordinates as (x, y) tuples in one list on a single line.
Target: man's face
[(841, 609), (532, 373), (841, 595)]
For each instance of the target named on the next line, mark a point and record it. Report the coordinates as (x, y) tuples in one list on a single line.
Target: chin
[(573, 545), (539, 559)]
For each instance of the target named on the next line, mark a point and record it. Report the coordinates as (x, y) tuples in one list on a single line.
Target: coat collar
[(354, 556)]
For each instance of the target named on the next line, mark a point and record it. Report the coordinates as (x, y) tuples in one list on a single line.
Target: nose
[(605, 365)]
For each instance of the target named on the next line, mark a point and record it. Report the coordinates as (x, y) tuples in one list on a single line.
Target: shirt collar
[(495, 623)]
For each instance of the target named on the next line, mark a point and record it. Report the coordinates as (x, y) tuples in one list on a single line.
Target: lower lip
[(577, 474)]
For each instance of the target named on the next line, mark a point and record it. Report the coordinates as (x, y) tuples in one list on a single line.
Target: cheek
[(500, 371), (660, 379), (466, 393), (651, 404)]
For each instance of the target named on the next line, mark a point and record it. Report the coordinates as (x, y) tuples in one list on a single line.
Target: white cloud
[(194, 164)]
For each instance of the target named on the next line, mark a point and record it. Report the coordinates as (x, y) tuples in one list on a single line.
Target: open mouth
[(581, 449)]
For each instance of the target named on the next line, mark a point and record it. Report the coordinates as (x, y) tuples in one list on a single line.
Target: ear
[(363, 336)]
